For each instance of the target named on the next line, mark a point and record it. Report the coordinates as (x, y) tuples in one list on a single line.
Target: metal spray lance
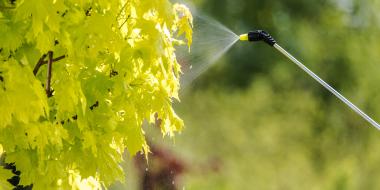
[(260, 35)]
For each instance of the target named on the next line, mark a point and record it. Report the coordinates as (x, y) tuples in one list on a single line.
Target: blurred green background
[(256, 121)]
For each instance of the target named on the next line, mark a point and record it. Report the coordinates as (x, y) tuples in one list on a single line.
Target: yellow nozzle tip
[(243, 37)]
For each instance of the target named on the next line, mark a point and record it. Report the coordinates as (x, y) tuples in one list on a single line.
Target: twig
[(129, 16), (55, 60), (42, 62), (39, 64), (121, 10), (49, 69), (49, 63)]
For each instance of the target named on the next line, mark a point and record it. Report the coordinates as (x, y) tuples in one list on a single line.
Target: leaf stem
[(129, 16)]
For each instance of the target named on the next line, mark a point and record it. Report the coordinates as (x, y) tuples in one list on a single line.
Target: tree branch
[(49, 69), (42, 62), (39, 64), (55, 59), (49, 62)]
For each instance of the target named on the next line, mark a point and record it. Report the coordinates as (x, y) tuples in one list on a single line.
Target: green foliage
[(118, 69), (273, 138), (268, 124)]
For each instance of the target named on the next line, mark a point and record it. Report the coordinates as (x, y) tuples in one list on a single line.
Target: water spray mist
[(260, 35)]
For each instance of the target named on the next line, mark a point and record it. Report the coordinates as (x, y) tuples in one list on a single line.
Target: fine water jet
[(211, 40), (260, 35)]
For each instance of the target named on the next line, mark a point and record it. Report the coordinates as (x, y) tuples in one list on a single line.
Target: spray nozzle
[(258, 35)]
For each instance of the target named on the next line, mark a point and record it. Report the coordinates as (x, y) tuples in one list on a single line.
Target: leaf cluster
[(114, 67)]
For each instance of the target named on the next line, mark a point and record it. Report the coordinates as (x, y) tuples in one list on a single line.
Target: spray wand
[(260, 35)]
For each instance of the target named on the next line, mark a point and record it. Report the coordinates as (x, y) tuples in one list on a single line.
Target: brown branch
[(39, 64), (55, 60), (49, 69), (42, 62), (49, 62)]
